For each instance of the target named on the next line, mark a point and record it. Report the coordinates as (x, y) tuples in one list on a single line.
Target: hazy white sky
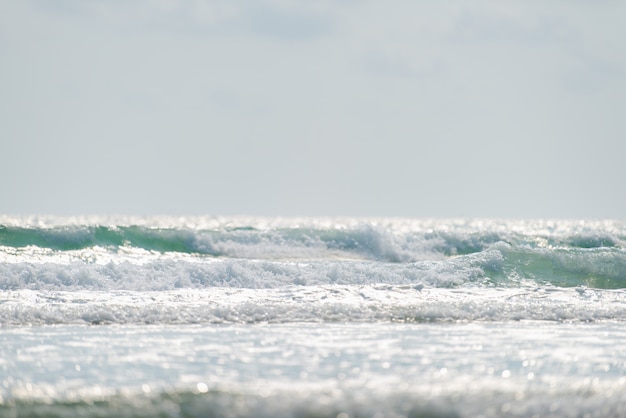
[(367, 108)]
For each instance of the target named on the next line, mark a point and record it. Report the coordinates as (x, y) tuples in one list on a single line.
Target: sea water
[(232, 317)]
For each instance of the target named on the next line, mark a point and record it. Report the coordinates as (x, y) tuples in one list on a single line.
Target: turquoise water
[(311, 317)]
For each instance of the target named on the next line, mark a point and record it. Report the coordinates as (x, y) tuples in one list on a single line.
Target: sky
[(448, 108)]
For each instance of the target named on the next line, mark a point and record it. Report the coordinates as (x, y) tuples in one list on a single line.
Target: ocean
[(311, 317)]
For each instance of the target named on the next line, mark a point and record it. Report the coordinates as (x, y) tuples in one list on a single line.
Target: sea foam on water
[(205, 316)]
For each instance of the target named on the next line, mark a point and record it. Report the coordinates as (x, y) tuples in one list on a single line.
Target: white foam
[(323, 303), (162, 272)]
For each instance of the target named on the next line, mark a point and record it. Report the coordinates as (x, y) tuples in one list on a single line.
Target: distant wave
[(384, 240), (66, 270)]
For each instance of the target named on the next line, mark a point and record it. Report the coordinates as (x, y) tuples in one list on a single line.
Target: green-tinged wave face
[(81, 237), (602, 268)]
